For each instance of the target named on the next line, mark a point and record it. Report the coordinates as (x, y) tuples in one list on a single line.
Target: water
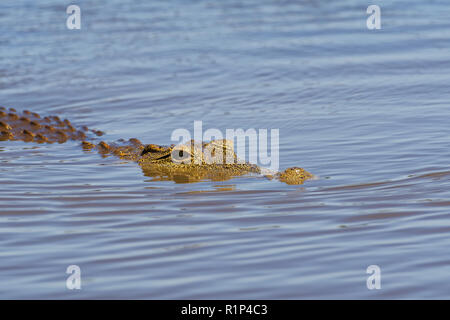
[(365, 110)]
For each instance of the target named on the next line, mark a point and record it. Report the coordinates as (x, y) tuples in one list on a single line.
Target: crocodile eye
[(181, 156)]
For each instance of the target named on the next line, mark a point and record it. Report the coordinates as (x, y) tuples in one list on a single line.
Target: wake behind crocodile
[(189, 162)]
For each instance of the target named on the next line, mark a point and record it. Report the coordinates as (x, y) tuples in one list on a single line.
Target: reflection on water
[(367, 111)]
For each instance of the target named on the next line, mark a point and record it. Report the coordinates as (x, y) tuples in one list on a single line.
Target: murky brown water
[(366, 111)]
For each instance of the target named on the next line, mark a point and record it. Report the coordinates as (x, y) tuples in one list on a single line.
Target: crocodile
[(183, 163)]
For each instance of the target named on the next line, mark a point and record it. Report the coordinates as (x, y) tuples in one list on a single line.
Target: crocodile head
[(193, 162), (216, 160)]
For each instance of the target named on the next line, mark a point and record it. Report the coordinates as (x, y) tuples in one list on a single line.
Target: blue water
[(367, 111)]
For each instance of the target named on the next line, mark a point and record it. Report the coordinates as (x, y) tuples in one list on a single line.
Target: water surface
[(365, 110)]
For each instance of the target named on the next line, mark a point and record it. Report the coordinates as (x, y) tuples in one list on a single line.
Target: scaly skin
[(191, 162)]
